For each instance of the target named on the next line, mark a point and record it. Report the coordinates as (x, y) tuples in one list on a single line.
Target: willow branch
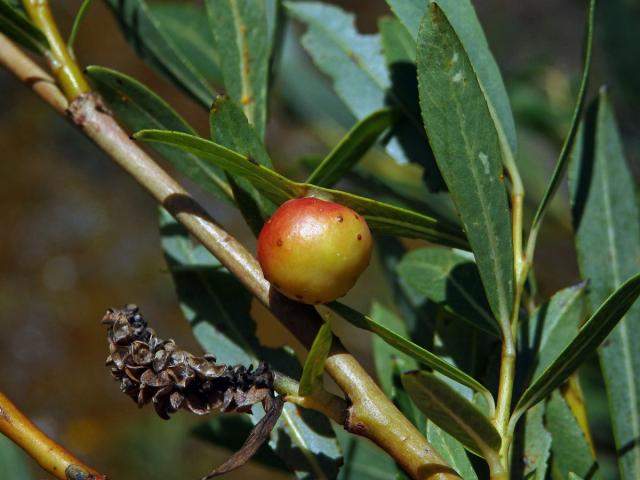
[(49, 455), (371, 413)]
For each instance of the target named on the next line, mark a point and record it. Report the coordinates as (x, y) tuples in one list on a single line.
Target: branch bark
[(49, 455), (371, 414)]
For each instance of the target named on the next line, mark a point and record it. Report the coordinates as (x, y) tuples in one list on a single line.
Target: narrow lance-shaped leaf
[(565, 152), (397, 44), (451, 279), (381, 217), (462, 16), (240, 31), (195, 43), (552, 327), (148, 36), (217, 306), (311, 379), (537, 445), (467, 148), (387, 358), (589, 338), (451, 450), (606, 222), (19, 28), (409, 12), (363, 459), (352, 60), (408, 347), (229, 127), (453, 413), (351, 148), (360, 77), (13, 461), (138, 107), (571, 451)]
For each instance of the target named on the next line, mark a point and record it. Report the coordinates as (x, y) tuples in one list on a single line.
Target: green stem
[(63, 66), (510, 328), (322, 401), (505, 391)]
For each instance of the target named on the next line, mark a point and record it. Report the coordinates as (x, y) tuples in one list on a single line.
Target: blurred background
[(78, 235)]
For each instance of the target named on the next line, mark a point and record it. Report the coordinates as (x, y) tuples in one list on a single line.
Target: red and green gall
[(313, 251)]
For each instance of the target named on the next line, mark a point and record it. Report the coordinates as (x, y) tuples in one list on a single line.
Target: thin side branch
[(371, 414), (49, 455)]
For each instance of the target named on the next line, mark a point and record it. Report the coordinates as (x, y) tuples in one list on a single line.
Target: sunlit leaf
[(468, 151), (360, 75)]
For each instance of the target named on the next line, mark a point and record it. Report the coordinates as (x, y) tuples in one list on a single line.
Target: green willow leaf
[(363, 459), (451, 279), (453, 413), (381, 217), (311, 379), (571, 451), (537, 444), (407, 347), (351, 148), (352, 60), (409, 12), (607, 229), (465, 22), (240, 31), (355, 64), (217, 307), (386, 358), (229, 127), (468, 151), (15, 25), (565, 152), (155, 44), (195, 42), (553, 326), (397, 44), (13, 461), (451, 450), (138, 107), (588, 339)]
